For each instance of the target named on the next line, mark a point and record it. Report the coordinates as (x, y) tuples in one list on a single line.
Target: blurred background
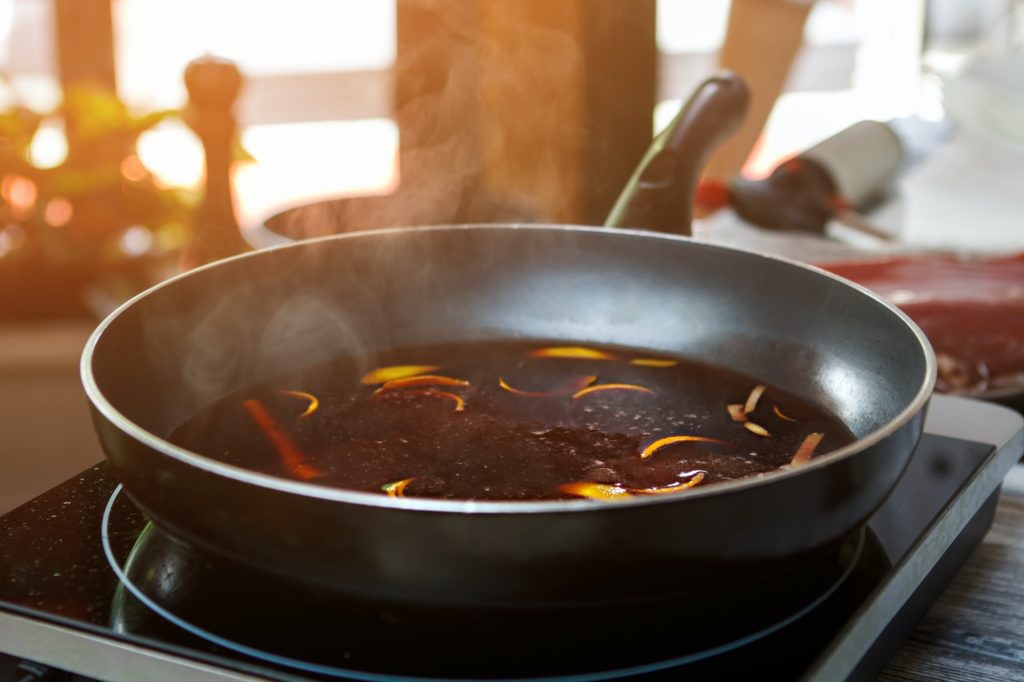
[(116, 173)]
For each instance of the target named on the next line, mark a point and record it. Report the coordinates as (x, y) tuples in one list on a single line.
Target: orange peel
[(291, 457), (665, 442), (756, 429), (460, 404), (653, 362), (755, 395), (568, 387), (736, 412), (383, 375), (806, 449), (685, 485), (575, 352), (596, 491), (396, 488), (314, 402), (421, 380), (781, 415), (611, 387)]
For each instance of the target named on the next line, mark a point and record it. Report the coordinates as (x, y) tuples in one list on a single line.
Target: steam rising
[(239, 324), (211, 364), (488, 101), (488, 96), (306, 327)]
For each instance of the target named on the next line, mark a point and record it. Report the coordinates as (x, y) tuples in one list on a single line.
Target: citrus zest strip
[(384, 374), (518, 391), (421, 380), (611, 387), (596, 491), (396, 488), (571, 386), (806, 449), (779, 413), (577, 352), (755, 395), (653, 362), (736, 412), (460, 404), (291, 458), (694, 481), (756, 429), (672, 440), (314, 402)]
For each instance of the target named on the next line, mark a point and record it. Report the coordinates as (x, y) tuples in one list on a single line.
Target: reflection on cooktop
[(259, 615)]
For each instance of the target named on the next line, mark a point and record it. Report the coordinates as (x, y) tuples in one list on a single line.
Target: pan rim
[(329, 493)]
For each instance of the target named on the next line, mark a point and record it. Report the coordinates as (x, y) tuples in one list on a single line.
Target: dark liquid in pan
[(503, 445)]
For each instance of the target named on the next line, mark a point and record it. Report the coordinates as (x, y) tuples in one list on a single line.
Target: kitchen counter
[(46, 434), (976, 629)]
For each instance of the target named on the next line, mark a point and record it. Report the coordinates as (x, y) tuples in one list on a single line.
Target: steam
[(488, 103), (242, 323), (307, 327), (488, 99), (211, 365)]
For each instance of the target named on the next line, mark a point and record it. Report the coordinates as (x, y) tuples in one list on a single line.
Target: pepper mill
[(213, 85)]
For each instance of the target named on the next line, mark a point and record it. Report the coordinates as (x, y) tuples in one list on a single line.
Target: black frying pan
[(176, 348)]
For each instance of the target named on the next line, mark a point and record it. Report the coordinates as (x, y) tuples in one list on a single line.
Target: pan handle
[(659, 195)]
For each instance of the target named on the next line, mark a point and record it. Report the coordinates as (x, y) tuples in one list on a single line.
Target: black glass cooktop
[(60, 556)]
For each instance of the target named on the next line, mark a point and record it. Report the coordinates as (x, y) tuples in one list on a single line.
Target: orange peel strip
[(672, 440), (396, 488), (685, 485), (736, 412), (596, 491), (383, 375), (806, 449), (755, 395), (576, 352), (291, 457), (653, 362), (779, 413), (460, 404), (421, 380), (314, 402), (756, 429), (566, 388), (611, 387)]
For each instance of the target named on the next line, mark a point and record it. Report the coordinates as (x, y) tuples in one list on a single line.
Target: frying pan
[(178, 347)]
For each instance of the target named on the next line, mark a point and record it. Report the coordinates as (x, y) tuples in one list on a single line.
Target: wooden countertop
[(976, 629)]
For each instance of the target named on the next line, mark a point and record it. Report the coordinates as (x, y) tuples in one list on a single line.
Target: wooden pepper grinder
[(213, 86)]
